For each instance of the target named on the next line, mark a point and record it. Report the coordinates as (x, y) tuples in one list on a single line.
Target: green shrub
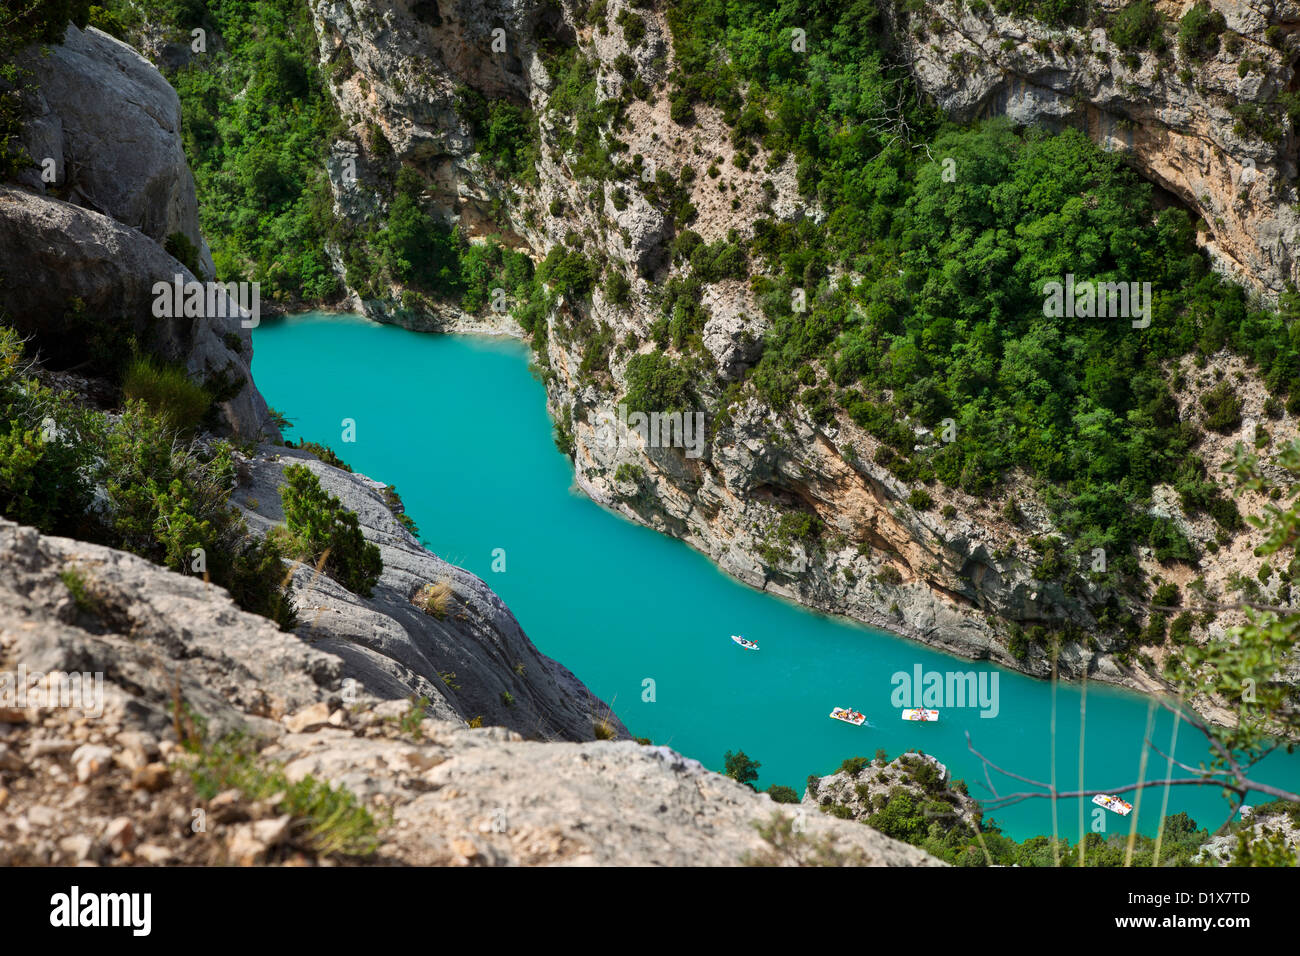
[(888, 574), (618, 290), (1222, 408), (655, 383), (180, 248), (633, 27), (782, 794), (568, 272), (506, 135), (1166, 595), (854, 766), (741, 768), (167, 391), (1156, 629), (790, 527), (165, 499), (398, 509), (1135, 26), (418, 248), (320, 527), (168, 499), (44, 481), (1199, 30), (1180, 631), (324, 453), (329, 819)]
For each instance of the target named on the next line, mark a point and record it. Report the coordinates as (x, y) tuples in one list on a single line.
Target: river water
[(459, 425)]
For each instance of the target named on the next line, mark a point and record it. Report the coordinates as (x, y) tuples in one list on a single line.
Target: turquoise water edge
[(459, 425)]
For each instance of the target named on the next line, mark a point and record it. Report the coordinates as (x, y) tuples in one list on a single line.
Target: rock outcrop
[(82, 247), (856, 793), (101, 778), (110, 125), (79, 282)]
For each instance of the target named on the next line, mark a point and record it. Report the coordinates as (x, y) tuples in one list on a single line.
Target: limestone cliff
[(401, 68), (86, 233)]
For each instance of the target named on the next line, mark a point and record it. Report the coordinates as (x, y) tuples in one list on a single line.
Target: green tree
[(321, 528), (655, 383), (418, 248), (741, 768)]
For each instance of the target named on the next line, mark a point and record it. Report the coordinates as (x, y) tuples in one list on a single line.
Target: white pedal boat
[(849, 716), (1114, 804), (916, 713), (747, 645)]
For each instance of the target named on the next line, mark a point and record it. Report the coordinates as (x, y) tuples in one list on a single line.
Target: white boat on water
[(916, 713), (849, 716), (747, 645), (1114, 804)]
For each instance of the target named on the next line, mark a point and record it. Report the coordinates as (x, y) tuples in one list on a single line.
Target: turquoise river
[(459, 425)]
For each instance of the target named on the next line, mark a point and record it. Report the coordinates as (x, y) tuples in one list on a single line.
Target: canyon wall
[(962, 582)]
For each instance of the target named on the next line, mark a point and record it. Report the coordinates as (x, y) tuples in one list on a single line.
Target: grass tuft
[(434, 598)]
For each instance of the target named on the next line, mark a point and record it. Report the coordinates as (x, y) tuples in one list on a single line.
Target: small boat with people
[(917, 713), (849, 716), (1114, 804), (747, 645)]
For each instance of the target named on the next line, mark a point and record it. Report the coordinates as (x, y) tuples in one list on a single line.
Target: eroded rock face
[(1177, 129), (112, 126), (892, 567), (957, 575), (602, 804), (80, 257), (70, 277), (152, 634), (398, 66), (471, 660)]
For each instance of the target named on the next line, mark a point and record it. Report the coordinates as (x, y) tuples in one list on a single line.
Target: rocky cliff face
[(87, 233), (1177, 119), (953, 583)]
